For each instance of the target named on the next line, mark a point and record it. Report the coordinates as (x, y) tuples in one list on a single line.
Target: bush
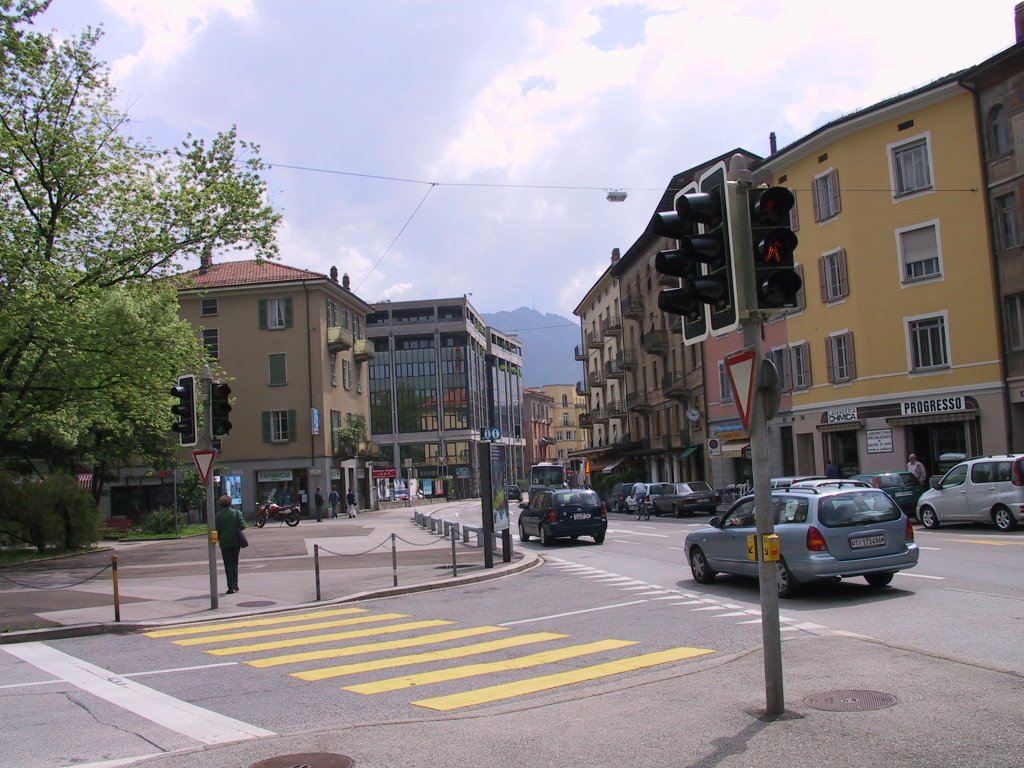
[(52, 513), (163, 520)]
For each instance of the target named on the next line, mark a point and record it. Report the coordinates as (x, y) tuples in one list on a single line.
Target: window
[(801, 365), (911, 167), (332, 313), (842, 365), (278, 426), (723, 383), (565, 420), (919, 252), (999, 131), (278, 369), (359, 379), (332, 363), (780, 358), (832, 276), (211, 341), (275, 314), (825, 194), (1015, 322), (346, 374), (1007, 213), (928, 345), (208, 307)]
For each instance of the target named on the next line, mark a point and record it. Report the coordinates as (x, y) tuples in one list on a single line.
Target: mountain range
[(549, 344)]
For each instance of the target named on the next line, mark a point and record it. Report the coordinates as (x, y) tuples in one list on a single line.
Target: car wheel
[(785, 581), (928, 517), (1004, 519), (878, 579), (702, 572), (599, 538), (544, 537), (523, 535), (675, 510)]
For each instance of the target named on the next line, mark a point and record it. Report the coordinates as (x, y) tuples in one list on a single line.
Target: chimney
[(773, 146), (205, 260), (1018, 21), (334, 274), (615, 255), (344, 281)]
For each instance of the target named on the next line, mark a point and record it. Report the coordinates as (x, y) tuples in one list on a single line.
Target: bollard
[(394, 561), (455, 567), (316, 569), (117, 595)]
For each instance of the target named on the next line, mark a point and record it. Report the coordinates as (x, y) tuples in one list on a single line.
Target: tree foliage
[(91, 219)]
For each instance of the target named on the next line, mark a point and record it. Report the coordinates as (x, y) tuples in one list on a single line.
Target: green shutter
[(292, 426), (277, 363), (266, 426), (263, 314), (288, 313)]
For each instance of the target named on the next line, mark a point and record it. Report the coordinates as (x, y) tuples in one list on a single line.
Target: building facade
[(537, 407), (570, 439)]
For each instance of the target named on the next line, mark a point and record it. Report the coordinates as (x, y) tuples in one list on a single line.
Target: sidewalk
[(163, 582)]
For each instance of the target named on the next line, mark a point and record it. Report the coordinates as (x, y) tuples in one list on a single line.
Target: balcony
[(627, 359), (675, 324), (633, 306), (656, 342), (613, 370), (582, 388), (586, 421), (598, 416), (614, 409), (638, 401), (581, 353), (339, 339), (673, 384), (612, 326), (595, 379), (363, 350), (623, 441), (595, 340)]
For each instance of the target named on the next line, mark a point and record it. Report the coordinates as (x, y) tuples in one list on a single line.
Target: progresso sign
[(932, 405)]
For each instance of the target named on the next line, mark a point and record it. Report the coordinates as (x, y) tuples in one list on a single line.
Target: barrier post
[(394, 561), (316, 569), (117, 595), (455, 567)]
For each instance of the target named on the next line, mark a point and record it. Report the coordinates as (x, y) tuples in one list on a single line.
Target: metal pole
[(206, 379), (394, 561), (316, 569), (117, 595), (455, 566)]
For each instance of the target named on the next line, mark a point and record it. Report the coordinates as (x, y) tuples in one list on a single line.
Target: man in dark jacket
[(229, 524)]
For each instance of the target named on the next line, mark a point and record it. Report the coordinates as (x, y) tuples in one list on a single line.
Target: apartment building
[(570, 439), (537, 407), (439, 377)]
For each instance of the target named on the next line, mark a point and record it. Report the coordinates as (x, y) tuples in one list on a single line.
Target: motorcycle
[(268, 510)]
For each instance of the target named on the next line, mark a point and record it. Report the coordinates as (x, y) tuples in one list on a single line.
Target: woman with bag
[(230, 523)]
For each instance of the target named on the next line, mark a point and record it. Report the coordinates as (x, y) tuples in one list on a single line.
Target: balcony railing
[(586, 420), (613, 369), (612, 326), (638, 401), (362, 350), (614, 409), (673, 384), (655, 342), (633, 306), (598, 416), (581, 353), (582, 388), (627, 359), (595, 340), (595, 379), (339, 339)]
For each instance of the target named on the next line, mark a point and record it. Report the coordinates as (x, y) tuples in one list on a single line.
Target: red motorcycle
[(268, 510)]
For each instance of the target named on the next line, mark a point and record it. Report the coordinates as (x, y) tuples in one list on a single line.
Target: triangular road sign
[(740, 367), (204, 460)]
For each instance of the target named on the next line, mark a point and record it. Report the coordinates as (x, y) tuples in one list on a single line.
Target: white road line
[(920, 576), (181, 717), (571, 613)]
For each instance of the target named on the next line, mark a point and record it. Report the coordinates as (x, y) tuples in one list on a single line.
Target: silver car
[(824, 533), (985, 489)]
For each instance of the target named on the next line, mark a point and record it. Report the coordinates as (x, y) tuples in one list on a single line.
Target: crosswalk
[(369, 653)]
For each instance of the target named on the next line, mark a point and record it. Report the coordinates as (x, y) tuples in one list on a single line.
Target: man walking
[(350, 500), (229, 523), (918, 470), (318, 499), (332, 501)]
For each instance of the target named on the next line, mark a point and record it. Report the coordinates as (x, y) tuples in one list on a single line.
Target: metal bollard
[(394, 561), (117, 595), (455, 567), (316, 569)]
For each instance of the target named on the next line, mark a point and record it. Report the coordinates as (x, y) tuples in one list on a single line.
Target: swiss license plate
[(867, 541), (581, 516)]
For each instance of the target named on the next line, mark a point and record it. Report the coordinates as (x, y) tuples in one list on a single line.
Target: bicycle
[(643, 508)]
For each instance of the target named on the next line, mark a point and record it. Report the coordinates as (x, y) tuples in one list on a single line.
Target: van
[(984, 489)]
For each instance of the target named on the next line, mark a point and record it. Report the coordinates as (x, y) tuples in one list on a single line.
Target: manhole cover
[(850, 701), (306, 760), (255, 603)]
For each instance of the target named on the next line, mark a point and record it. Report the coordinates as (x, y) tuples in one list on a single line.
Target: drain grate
[(850, 701), (306, 760)]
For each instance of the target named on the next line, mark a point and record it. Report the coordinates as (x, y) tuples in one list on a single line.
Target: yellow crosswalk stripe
[(546, 682), (295, 642), (387, 645), (472, 670), (243, 624), (993, 542), (291, 630), (421, 658)]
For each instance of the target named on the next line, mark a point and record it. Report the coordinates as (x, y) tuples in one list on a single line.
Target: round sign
[(713, 444)]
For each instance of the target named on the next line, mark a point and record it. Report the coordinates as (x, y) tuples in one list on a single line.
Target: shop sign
[(379, 472), (274, 476), (932, 405), (879, 440), (462, 471), (335, 473), (839, 415), (726, 431)]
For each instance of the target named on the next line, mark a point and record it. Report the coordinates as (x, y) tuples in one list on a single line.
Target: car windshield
[(864, 508), (576, 498), (694, 486)]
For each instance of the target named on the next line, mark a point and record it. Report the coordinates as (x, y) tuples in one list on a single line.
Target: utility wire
[(395, 239)]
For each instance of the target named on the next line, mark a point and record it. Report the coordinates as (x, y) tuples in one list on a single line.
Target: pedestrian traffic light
[(703, 259), (220, 409), (776, 279), (185, 409)]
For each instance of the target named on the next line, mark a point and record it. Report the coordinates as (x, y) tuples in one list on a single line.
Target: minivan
[(984, 489)]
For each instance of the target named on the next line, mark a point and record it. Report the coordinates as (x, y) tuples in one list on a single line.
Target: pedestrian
[(350, 500), (229, 523), (318, 499), (831, 470), (918, 470), (332, 501)]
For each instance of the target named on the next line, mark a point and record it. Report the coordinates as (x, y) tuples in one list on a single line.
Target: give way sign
[(740, 367), (203, 460)]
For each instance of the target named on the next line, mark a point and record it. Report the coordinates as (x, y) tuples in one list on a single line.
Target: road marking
[(220, 627), (920, 576), (458, 652), (294, 642), (571, 613), (547, 682), (202, 725), (486, 668), (993, 542), (291, 630)]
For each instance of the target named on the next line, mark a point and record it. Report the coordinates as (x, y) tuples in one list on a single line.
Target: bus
[(546, 475)]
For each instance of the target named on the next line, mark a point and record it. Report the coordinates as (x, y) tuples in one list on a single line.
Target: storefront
[(284, 487)]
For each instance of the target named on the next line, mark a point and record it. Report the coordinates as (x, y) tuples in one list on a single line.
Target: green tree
[(93, 219)]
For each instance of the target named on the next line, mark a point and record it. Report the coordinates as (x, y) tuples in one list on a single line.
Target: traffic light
[(703, 259), (220, 409), (776, 280), (185, 409)]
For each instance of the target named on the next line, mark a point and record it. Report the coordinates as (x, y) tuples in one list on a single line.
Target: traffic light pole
[(206, 379)]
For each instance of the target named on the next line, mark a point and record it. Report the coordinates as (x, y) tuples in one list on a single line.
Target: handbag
[(242, 541)]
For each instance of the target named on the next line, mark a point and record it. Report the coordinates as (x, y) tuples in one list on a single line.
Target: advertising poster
[(499, 499)]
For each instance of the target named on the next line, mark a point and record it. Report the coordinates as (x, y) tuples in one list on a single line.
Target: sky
[(435, 148)]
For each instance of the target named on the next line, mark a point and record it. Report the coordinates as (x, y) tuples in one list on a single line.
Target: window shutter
[(836, 202), (815, 185), (787, 373), (794, 213), (822, 280), (288, 313), (266, 426), (829, 362), (278, 369), (263, 314), (292, 426), (801, 295), (844, 281), (851, 356)]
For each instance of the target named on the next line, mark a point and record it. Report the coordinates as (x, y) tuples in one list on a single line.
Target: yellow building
[(568, 404)]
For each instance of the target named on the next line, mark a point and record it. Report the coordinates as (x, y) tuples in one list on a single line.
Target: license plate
[(581, 516), (867, 541)]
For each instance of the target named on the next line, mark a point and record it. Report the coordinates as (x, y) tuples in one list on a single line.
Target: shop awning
[(734, 448), (841, 426), (932, 418), (609, 468), (688, 451)]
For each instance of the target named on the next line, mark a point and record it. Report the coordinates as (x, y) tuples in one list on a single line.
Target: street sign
[(740, 368), (490, 433), (204, 460)]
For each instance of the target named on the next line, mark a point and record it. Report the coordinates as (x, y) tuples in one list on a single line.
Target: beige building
[(568, 405)]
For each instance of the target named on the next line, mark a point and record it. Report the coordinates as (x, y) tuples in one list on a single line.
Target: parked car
[(615, 501), (830, 482), (514, 493), (687, 498), (654, 490), (984, 489), (557, 513), (899, 484), (824, 533), (782, 483)]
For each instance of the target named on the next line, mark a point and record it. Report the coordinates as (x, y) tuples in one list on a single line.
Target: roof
[(249, 272)]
